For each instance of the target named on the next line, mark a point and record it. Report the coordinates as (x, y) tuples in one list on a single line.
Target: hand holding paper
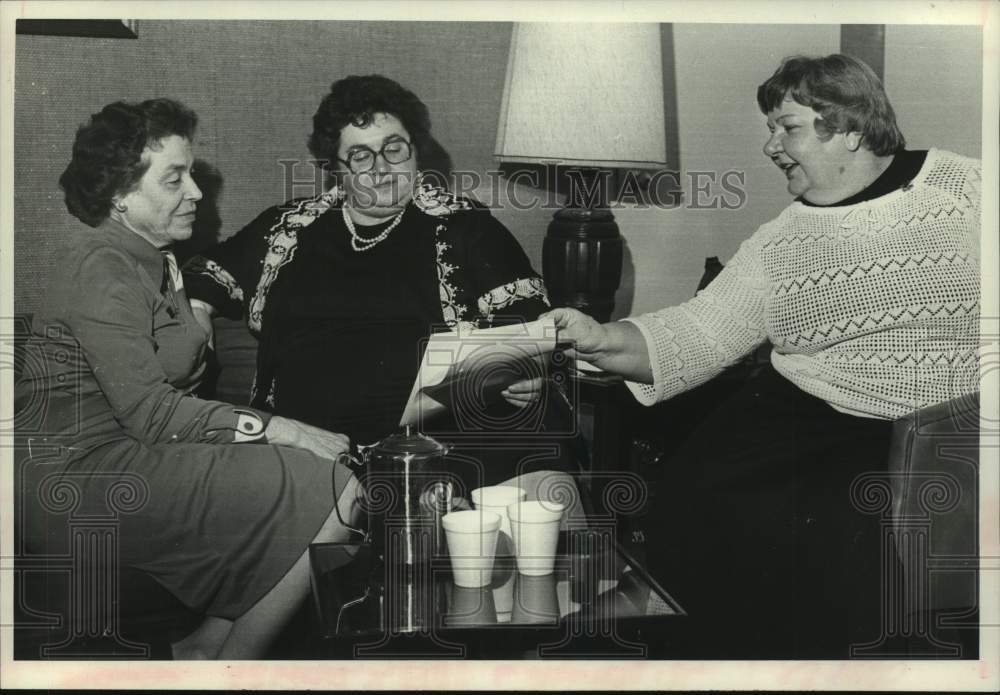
[(523, 393), (471, 367)]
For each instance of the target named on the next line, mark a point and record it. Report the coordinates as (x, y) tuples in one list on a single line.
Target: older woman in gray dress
[(230, 497)]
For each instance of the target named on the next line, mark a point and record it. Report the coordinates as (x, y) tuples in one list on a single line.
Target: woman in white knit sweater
[(867, 286)]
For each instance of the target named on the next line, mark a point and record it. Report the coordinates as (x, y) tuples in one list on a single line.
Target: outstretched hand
[(617, 347), (590, 339)]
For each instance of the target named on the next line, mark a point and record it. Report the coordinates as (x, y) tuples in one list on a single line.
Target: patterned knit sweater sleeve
[(872, 307), (690, 343)]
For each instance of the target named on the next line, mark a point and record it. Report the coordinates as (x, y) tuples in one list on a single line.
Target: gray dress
[(205, 507)]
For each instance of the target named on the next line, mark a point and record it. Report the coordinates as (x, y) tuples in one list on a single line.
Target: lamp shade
[(588, 95)]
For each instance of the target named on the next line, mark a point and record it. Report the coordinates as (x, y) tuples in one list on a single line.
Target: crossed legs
[(249, 636)]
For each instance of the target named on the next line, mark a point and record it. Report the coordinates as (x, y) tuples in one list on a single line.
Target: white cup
[(472, 542), (496, 499), (535, 530)]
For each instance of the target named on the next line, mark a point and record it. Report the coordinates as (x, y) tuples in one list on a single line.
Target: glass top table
[(598, 601)]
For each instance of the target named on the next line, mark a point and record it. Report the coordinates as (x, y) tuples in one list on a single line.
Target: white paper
[(475, 355)]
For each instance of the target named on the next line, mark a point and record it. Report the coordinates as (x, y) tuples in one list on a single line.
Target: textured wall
[(720, 128), (934, 77), (256, 85)]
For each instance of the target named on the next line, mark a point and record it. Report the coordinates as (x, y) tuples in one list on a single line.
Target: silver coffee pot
[(407, 490)]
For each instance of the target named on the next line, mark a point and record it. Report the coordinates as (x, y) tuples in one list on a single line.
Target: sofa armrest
[(934, 472)]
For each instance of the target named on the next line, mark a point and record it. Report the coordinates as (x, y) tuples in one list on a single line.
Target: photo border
[(901, 674)]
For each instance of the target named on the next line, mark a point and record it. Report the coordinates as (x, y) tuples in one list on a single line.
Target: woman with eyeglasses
[(341, 289)]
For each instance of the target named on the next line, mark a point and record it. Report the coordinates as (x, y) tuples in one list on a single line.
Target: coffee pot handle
[(349, 460), (353, 463)]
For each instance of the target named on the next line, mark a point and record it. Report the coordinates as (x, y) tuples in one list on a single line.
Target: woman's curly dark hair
[(107, 152), (354, 100)]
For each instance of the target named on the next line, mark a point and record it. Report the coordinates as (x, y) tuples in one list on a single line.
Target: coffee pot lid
[(409, 442)]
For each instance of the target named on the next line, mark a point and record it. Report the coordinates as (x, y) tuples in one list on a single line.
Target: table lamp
[(587, 98)]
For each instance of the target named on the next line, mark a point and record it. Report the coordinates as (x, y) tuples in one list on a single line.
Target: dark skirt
[(217, 525), (756, 534)]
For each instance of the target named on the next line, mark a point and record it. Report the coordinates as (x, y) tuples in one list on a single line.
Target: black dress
[(341, 332)]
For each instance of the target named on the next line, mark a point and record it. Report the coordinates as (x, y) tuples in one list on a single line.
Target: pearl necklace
[(358, 242)]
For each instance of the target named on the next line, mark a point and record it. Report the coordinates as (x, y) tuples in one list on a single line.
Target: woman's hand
[(203, 315), (328, 445), (590, 339), (616, 347), (523, 393)]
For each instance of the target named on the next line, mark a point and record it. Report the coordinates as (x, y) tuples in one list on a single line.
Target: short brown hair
[(107, 152), (844, 91)]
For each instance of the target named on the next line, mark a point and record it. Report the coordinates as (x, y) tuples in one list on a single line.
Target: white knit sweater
[(872, 307)]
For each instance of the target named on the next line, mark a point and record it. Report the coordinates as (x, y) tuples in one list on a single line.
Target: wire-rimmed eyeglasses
[(362, 158)]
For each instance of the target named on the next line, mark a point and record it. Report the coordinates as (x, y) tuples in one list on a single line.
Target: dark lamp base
[(582, 260)]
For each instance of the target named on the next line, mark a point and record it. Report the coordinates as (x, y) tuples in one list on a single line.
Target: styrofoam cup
[(535, 530), (472, 542), (496, 499)]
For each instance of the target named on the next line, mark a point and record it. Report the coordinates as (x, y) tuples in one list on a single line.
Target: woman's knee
[(343, 514)]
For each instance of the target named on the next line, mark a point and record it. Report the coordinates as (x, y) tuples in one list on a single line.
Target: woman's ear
[(852, 140)]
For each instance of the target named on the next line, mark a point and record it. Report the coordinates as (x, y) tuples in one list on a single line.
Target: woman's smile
[(788, 167)]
